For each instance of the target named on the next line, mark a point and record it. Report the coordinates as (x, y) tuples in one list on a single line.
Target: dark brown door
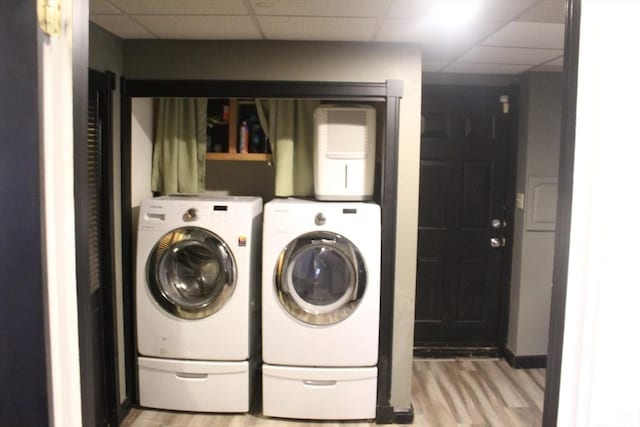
[(462, 208)]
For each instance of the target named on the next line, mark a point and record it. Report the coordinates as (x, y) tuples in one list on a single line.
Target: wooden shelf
[(230, 142), (247, 157)]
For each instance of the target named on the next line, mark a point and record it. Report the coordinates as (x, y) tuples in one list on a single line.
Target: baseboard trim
[(391, 415), (403, 416), (525, 362), (445, 352), (123, 410)]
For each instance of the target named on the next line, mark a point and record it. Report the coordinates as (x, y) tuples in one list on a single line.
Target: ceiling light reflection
[(452, 14)]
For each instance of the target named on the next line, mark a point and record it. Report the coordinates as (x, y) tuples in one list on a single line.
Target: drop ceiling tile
[(509, 55), (102, 7), (545, 11), (503, 10), (315, 28), (202, 27), (488, 10), (528, 34), (438, 45), (417, 30), (466, 68), (432, 66), (555, 65), (403, 30), (558, 61), (122, 26), (338, 8), (409, 8), (548, 68), (182, 7)]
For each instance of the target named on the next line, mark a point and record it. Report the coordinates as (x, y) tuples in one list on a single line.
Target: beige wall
[(141, 153), (241, 178), (470, 79), (348, 62), (538, 152)]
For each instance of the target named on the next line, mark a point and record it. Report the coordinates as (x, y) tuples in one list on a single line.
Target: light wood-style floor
[(446, 392)]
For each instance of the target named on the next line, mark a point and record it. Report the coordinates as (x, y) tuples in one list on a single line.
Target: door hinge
[(49, 16), (504, 99)]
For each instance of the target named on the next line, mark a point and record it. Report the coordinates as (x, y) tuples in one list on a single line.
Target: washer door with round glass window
[(191, 272), (320, 278)]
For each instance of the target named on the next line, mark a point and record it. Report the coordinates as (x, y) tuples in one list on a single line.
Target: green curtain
[(180, 145), (289, 125)]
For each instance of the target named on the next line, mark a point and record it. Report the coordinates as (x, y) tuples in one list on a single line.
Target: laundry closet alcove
[(386, 94)]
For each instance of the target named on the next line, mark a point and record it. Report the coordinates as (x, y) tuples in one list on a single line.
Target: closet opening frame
[(389, 92)]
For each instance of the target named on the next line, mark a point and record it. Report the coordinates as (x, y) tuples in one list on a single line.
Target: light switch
[(519, 200)]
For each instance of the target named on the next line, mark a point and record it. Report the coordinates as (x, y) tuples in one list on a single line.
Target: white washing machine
[(320, 309), (197, 282)]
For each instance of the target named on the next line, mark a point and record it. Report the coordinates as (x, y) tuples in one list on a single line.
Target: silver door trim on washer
[(191, 272), (325, 257)]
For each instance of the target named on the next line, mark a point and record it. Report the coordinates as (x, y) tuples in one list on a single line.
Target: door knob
[(498, 223), (497, 242)]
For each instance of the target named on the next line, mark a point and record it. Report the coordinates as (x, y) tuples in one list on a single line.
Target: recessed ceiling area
[(458, 36)]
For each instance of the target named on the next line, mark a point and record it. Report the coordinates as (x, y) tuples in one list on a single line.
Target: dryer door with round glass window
[(191, 272), (320, 278)]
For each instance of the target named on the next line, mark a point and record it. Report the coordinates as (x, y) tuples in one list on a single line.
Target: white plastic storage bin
[(196, 386), (319, 393), (344, 152)]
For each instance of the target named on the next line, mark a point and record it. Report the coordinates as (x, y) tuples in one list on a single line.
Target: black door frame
[(563, 213), (389, 92)]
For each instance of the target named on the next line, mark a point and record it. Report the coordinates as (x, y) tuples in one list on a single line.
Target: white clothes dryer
[(320, 309), (196, 289)]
